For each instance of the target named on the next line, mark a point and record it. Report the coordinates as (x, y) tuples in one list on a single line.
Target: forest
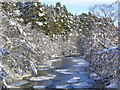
[(32, 34)]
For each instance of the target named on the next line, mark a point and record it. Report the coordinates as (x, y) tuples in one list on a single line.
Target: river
[(66, 72)]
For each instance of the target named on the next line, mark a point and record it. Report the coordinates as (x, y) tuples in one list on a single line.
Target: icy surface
[(42, 78), (39, 86)]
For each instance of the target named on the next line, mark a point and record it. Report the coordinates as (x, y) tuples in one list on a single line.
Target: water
[(67, 72)]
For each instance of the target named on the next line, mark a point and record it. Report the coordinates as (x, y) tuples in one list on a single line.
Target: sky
[(77, 6)]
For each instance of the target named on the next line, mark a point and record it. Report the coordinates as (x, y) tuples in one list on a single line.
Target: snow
[(20, 72), (74, 79), (17, 12), (12, 23), (39, 23), (61, 86), (80, 62), (93, 75), (41, 14), (21, 31), (4, 51), (34, 70), (20, 19), (80, 29), (113, 85), (56, 60), (43, 69), (107, 50), (112, 48), (70, 34), (17, 84), (38, 86), (40, 9), (63, 71), (35, 4), (42, 78), (82, 84), (0, 54), (98, 53)]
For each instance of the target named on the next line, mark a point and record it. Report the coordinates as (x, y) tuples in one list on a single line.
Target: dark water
[(67, 72)]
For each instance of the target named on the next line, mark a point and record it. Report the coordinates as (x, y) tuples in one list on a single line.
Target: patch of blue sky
[(77, 6)]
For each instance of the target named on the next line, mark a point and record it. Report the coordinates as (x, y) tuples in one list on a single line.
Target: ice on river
[(41, 78), (64, 71), (61, 86), (74, 79), (39, 86)]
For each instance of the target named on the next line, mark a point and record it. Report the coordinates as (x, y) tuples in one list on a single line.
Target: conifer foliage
[(55, 19)]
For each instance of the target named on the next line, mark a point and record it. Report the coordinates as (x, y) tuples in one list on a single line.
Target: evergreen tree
[(32, 12)]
